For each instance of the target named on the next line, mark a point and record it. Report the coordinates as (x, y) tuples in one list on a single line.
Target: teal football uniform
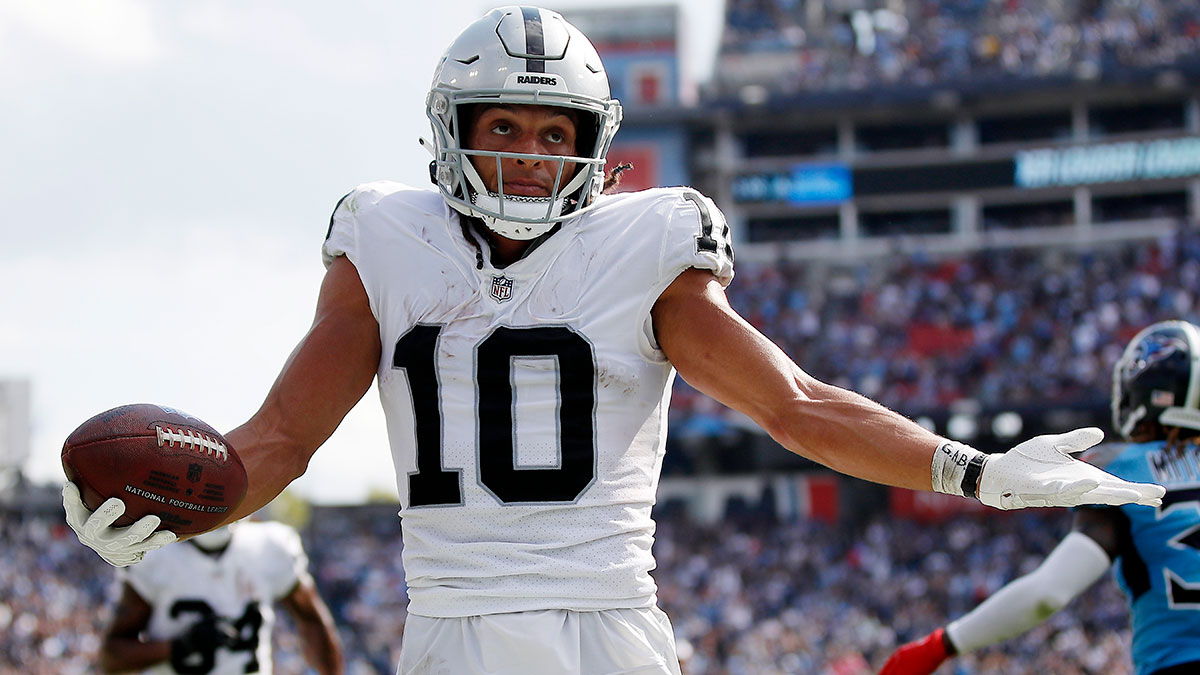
[(1158, 561)]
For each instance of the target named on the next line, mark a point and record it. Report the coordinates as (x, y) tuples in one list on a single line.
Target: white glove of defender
[(119, 546), (1039, 472)]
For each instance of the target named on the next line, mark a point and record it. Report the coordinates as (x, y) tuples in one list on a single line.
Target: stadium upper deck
[(842, 129), (805, 46)]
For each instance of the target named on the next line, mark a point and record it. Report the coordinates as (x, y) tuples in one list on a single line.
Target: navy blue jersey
[(1158, 562)]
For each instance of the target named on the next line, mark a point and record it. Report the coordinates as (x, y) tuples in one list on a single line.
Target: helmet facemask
[(578, 178)]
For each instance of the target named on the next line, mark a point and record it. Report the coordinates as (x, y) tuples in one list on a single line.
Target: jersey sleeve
[(343, 235), (683, 229), (288, 562), (696, 236), (144, 577)]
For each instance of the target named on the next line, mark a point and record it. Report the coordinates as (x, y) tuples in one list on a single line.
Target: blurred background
[(963, 209)]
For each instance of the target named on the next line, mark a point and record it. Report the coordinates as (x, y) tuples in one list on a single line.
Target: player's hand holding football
[(1038, 472), (119, 546)]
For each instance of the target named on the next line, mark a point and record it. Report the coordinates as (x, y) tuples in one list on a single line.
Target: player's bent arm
[(1074, 565), (122, 649), (325, 376), (721, 354), (318, 634)]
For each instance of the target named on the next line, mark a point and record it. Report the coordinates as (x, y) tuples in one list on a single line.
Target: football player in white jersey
[(525, 329), (207, 606)]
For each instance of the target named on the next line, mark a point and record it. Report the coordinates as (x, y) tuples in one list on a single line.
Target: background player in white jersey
[(207, 606), (1156, 406), (525, 330)]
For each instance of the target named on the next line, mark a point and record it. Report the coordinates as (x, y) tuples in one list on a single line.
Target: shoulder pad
[(690, 217), (368, 195)]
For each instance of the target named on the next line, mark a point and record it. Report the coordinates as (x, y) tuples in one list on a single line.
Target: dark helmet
[(1158, 378)]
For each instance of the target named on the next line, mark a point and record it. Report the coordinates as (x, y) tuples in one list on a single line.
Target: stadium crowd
[(928, 42), (753, 596), (1003, 327), (749, 595)]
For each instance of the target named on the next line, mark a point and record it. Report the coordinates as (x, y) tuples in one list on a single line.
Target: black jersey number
[(1182, 594), (434, 485), (203, 657), (705, 241)]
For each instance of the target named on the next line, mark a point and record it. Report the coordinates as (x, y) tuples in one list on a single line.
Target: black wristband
[(970, 481), (948, 644)]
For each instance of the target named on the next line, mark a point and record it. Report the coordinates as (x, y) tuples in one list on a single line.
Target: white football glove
[(1039, 472), (119, 546)]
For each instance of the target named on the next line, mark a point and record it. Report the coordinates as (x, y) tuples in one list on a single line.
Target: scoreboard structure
[(854, 174)]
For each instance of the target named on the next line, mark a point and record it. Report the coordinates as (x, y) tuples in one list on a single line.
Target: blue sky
[(170, 172)]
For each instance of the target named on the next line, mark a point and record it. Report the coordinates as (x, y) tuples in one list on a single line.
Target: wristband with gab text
[(956, 469)]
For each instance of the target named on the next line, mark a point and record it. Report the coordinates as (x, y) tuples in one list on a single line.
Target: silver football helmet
[(1158, 378), (520, 55)]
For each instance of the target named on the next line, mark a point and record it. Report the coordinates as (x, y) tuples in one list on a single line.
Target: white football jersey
[(262, 564), (526, 406)]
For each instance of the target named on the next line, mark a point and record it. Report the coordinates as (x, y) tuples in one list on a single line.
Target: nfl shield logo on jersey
[(501, 288)]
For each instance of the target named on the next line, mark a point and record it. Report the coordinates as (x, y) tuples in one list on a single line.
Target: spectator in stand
[(43, 584), (944, 42)]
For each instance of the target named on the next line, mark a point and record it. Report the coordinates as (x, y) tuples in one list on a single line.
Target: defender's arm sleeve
[(1074, 565)]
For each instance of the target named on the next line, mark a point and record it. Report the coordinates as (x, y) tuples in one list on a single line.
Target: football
[(160, 461)]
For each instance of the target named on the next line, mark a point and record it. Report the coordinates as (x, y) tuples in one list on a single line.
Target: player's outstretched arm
[(327, 373), (318, 634), (1074, 565), (721, 354), (325, 376)]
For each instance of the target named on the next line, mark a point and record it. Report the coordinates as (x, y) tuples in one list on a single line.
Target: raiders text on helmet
[(512, 56), (1158, 378)]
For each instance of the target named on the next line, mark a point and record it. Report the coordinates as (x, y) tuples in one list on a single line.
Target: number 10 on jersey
[(434, 485)]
